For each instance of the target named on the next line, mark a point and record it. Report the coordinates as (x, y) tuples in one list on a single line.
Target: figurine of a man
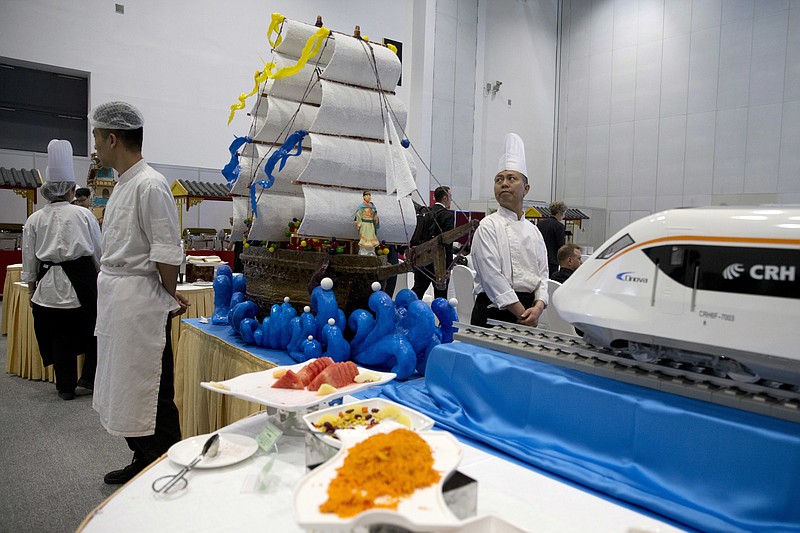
[(366, 219)]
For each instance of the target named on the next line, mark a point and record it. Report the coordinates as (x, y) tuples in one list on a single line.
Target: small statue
[(367, 222)]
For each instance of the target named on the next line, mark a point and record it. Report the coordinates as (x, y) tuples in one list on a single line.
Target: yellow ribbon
[(391, 47), (311, 48), (277, 19)]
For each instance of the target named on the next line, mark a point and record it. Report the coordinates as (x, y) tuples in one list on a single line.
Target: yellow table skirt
[(13, 275), (22, 350), (203, 357)]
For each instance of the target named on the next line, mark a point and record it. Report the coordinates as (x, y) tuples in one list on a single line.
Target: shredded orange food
[(379, 471)]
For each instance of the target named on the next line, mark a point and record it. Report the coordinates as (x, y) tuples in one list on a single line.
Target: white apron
[(132, 313)]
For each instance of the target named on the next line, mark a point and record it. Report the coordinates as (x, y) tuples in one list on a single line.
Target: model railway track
[(764, 397)]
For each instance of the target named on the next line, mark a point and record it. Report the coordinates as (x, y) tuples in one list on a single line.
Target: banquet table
[(22, 351), (256, 494), (13, 275), (701, 465)]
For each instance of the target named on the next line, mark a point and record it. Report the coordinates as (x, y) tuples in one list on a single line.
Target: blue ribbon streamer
[(232, 169), (293, 142)]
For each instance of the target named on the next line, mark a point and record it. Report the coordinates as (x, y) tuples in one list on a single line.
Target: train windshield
[(616, 246)]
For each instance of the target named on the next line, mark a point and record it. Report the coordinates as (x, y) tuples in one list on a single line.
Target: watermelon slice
[(313, 368), (336, 375), (289, 380)]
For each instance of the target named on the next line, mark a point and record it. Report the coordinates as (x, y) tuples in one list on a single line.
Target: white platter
[(419, 422), (425, 510), (232, 449), (257, 387)]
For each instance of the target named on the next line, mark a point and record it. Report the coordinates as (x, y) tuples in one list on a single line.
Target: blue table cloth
[(699, 465), (279, 357)]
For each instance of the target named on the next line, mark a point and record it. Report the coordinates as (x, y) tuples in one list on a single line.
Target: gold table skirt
[(22, 351), (13, 275), (203, 357)]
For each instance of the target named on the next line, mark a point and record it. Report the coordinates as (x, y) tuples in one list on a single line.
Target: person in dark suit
[(443, 220), (569, 259), (554, 233)]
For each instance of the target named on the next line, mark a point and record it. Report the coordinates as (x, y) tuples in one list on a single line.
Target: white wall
[(181, 63), (453, 104), (517, 45), (669, 103)]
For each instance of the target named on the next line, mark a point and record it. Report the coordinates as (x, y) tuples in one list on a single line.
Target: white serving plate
[(232, 449), (419, 422), (257, 387), (425, 510)]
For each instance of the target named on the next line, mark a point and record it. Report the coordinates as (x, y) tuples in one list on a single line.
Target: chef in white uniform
[(134, 389), (508, 252)]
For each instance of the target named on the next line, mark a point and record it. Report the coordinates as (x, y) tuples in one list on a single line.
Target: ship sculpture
[(326, 126)]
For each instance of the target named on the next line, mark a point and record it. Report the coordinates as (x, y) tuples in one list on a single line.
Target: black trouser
[(168, 428), (62, 334), (423, 279), (481, 312)]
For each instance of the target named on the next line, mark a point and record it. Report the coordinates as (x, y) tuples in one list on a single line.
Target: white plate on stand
[(257, 387)]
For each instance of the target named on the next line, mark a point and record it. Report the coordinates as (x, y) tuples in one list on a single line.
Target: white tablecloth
[(222, 499)]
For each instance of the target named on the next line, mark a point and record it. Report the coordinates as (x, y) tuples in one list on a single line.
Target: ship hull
[(271, 276)]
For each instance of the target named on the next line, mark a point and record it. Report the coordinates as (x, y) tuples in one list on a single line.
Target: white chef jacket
[(509, 255), (140, 229), (58, 232)]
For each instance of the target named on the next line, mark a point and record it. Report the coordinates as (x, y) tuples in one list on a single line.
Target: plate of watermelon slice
[(300, 386)]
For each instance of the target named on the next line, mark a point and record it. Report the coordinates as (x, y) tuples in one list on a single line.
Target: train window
[(676, 257), (616, 246)]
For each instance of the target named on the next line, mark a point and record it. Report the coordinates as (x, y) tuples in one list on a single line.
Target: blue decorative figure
[(225, 270), (393, 353), (309, 349), (236, 299), (302, 326), (240, 312), (288, 312), (239, 282), (338, 348), (323, 302), (383, 307), (273, 335), (222, 300), (445, 311), (361, 323), (247, 329)]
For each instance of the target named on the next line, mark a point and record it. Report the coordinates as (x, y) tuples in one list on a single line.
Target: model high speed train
[(718, 287)]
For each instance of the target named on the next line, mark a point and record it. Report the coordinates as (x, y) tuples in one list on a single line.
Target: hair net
[(116, 116), (53, 190)]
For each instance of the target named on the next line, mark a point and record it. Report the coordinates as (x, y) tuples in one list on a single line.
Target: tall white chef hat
[(116, 116), (514, 156), (59, 162)]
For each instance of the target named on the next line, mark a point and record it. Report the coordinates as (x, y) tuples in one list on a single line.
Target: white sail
[(330, 212), (301, 87), (294, 35), (340, 161), (352, 63), (355, 112), (276, 118), (275, 211)]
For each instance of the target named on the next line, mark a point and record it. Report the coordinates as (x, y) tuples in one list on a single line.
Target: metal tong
[(166, 484)]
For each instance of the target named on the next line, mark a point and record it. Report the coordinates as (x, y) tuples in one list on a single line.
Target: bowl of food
[(363, 415)]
